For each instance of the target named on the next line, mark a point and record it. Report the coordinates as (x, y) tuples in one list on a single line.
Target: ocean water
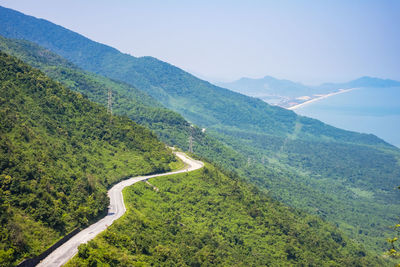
[(366, 110)]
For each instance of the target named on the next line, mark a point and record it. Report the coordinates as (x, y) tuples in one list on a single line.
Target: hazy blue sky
[(307, 41)]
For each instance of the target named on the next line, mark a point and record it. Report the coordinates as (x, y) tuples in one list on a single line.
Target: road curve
[(116, 209)]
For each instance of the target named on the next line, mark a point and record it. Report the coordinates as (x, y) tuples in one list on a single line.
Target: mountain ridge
[(161, 80), (364, 81), (269, 86)]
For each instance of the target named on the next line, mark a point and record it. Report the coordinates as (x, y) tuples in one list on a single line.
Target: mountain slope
[(170, 127), (201, 102), (126, 99), (207, 218), (347, 178), (58, 154)]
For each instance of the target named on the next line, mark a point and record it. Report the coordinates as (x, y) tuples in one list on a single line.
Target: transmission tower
[(191, 143), (191, 139), (109, 106)]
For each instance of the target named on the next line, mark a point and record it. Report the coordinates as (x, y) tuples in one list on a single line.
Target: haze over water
[(366, 110)]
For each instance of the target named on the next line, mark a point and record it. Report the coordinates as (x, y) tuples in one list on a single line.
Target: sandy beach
[(341, 91)]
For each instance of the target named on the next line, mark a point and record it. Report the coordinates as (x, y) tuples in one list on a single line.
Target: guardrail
[(32, 262)]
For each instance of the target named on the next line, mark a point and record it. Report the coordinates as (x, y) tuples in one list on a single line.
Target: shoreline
[(320, 97)]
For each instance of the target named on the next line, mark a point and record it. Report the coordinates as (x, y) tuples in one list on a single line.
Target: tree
[(394, 250)]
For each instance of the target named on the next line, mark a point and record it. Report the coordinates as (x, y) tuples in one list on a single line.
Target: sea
[(365, 110)]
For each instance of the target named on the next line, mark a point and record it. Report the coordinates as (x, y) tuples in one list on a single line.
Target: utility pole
[(109, 105)]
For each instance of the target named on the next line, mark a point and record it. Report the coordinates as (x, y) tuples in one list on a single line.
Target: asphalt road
[(116, 209)]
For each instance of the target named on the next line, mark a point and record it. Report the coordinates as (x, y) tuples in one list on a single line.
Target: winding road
[(116, 209)]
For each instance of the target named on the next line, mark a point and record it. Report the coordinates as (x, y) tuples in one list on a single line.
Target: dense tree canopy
[(209, 218), (59, 153), (348, 179)]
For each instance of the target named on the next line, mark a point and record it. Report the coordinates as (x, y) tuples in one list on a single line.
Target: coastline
[(321, 97)]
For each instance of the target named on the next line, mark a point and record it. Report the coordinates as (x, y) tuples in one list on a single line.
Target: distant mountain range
[(283, 92), (268, 86), (365, 81)]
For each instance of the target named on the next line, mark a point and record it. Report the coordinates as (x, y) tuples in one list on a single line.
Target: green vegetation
[(59, 153), (326, 178), (126, 99), (300, 161), (394, 250), (207, 218), (170, 127)]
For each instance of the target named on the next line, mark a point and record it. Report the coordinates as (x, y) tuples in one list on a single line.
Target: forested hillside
[(170, 127), (347, 178), (199, 101), (208, 218), (59, 153)]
